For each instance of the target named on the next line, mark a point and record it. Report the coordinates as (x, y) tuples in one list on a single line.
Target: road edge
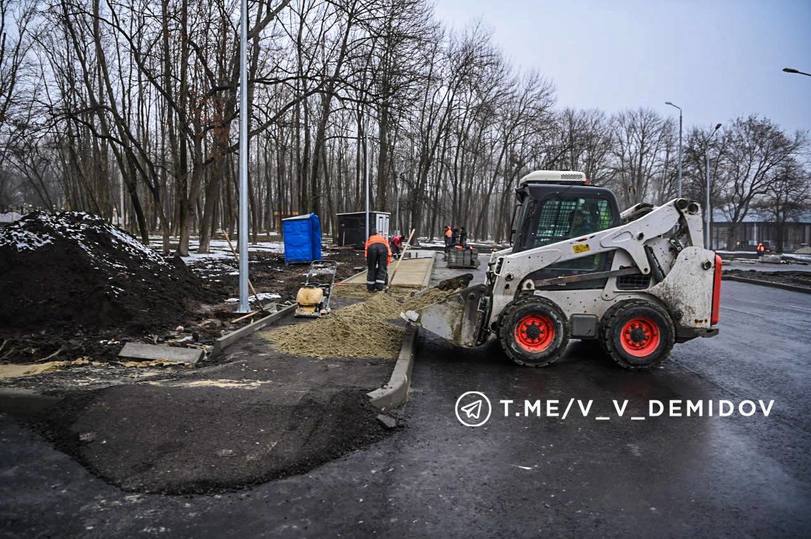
[(395, 392), (791, 287)]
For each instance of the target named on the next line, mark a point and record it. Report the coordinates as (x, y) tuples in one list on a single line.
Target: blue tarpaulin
[(302, 238)]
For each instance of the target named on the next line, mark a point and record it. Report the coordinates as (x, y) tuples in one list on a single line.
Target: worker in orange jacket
[(447, 232), (378, 258)]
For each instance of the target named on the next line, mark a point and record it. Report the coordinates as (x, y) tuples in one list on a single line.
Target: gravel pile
[(361, 330)]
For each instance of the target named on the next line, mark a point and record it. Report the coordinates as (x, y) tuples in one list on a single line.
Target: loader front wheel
[(533, 332), (637, 334)]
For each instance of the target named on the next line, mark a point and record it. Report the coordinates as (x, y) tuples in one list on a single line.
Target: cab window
[(561, 218)]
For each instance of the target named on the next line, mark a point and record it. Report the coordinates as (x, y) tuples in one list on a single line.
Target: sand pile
[(71, 272), (361, 330)]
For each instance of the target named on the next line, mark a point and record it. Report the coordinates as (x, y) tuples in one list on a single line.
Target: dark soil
[(71, 286), (796, 278), (177, 437), (88, 275), (269, 273)]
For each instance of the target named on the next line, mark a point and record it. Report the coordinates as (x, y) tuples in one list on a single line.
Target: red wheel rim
[(640, 336), (534, 333)]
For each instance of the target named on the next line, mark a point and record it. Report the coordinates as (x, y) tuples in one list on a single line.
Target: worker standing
[(378, 258), (448, 233), (396, 242), (462, 237)]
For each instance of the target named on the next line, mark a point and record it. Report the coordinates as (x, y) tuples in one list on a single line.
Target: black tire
[(637, 334), (542, 336)]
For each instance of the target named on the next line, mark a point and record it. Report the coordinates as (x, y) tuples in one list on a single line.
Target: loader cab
[(553, 209)]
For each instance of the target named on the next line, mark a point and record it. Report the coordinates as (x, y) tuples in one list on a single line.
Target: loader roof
[(554, 176)]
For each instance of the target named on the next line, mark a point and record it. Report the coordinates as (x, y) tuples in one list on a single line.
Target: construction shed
[(302, 238), (351, 229)]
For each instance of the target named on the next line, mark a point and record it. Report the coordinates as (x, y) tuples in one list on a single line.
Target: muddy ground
[(260, 415), (796, 278), (200, 323)]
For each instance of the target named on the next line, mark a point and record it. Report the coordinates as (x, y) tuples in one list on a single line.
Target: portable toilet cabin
[(352, 230), (302, 238)]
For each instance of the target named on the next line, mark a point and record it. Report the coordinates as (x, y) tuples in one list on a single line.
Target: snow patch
[(23, 240), (261, 296)]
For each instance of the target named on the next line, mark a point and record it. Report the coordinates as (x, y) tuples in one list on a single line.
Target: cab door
[(564, 216)]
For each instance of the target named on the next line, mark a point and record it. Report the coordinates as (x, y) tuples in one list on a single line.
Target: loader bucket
[(459, 318)]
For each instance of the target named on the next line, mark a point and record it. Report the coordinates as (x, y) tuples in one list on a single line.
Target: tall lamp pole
[(680, 125), (244, 304), (368, 170), (708, 208), (795, 71)]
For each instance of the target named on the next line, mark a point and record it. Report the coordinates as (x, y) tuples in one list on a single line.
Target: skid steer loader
[(637, 281)]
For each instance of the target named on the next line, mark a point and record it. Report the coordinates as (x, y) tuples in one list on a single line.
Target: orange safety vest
[(448, 232), (377, 238)]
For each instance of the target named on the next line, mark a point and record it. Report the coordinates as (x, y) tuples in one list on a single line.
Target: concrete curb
[(346, 281), (227, 340), (427, 281), (395, 392), (793, 288)]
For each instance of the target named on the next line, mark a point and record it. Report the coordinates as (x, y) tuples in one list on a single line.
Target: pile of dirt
[(71, 272), (796, 278), (257, 437), (361, 330)]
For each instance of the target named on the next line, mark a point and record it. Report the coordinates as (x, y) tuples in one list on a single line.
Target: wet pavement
[(663, 476)]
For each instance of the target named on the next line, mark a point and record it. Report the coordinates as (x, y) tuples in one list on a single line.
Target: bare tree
[(787, 196), (754, 149)]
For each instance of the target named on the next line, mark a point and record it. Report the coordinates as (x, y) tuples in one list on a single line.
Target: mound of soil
[(133, 437), (361, 330), (796, 278), (71, 272)]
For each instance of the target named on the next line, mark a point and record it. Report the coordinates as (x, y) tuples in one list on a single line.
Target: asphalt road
[(668, 476)]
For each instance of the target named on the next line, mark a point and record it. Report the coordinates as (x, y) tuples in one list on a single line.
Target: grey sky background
[(717, 59)]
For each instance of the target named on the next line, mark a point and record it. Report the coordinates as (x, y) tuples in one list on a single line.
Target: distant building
[(352, 229), (759, 226)]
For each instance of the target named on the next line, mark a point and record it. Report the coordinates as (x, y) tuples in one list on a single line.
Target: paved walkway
[(412, 273)]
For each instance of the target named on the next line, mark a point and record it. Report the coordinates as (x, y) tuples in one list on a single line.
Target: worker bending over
[(378, 258)]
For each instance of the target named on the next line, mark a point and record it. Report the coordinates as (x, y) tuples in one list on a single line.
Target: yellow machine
[(313, 299), (310, 300)]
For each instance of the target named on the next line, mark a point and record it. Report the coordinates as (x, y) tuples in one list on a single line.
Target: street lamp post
[(680, 127), (368, 171), (795, 71), (708, 208), (244, 304)]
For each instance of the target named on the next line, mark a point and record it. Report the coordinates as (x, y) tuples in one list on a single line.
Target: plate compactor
[(313, 299)]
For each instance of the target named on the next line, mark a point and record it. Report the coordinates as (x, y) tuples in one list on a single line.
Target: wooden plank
[(137, 350)]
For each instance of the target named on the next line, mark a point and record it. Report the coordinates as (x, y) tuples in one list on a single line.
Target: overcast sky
[(717, 59)]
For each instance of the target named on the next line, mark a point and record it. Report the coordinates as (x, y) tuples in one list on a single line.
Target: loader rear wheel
[(533, 332), (637, 334)]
